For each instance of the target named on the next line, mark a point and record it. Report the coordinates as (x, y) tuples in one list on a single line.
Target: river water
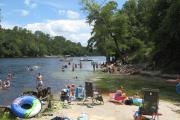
[(51, 70)]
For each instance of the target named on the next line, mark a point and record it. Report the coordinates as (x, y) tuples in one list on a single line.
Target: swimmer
[(6, 84)]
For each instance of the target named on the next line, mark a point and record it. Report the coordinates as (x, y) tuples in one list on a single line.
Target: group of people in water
[(7, 82), (74, 66), (31, 68), (95, 65)]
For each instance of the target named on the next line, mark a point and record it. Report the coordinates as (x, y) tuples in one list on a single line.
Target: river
[(51, 70)]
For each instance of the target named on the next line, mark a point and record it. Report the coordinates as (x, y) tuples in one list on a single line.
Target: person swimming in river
[(62, 69), (6, 84), (29, 68)]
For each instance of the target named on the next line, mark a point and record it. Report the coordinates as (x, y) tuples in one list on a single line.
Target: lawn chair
[(97, 98), (88, 91), (149, 106), (94, 95)]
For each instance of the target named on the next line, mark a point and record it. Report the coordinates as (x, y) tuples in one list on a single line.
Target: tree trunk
[(121, 53)]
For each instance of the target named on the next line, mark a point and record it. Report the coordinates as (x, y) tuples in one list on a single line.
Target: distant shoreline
[(46, 56), (34, 57)]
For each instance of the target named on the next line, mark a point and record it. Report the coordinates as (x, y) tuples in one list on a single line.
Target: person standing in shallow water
[(94, 66), (39, 85), (39, 80), (9, 76), (80, 64), (73, 67)]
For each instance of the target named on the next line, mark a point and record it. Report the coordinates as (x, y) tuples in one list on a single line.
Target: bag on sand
[(128, 102)]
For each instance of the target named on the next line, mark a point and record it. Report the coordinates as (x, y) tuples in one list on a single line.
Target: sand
[(111, 111)]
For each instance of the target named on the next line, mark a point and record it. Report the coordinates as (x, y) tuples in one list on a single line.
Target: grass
[(7, 116), (134, 83)]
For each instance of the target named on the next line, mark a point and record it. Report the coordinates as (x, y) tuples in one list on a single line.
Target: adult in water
[(39, 85), (10, 76), (73, 67), (39, 80), (80, 64)]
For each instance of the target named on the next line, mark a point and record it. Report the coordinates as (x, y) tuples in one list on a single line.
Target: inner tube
[(26, 106), (6, 84)]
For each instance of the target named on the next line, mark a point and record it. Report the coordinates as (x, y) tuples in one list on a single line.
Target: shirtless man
[(39, 80)]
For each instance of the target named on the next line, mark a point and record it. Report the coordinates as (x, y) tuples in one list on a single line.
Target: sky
[(54, 17)]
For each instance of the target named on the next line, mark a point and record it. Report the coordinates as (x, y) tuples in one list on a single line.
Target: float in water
[(26, 106)]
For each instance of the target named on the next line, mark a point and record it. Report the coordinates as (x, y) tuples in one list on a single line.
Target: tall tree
[(105, 20)]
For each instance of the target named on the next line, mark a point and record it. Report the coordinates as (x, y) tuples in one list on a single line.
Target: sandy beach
[(110, 111)]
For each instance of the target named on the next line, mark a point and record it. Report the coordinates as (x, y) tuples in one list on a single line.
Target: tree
[(165, 28), (109, 24)]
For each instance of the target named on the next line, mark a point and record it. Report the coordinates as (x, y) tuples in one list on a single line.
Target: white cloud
[(49, 3), (69, 14), (33, 5), (75, 30), (27, 2), (7, 25), (72, 14), (24, 12), (30, 3)]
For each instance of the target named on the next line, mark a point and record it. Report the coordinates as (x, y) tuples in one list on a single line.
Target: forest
[(20, 42), (142, 31)]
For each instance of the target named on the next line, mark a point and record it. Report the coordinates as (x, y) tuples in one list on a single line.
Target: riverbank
[(169, 105), (107, 111), (134, 83)]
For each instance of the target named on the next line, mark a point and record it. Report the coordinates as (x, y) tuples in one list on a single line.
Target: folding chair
[(88, 91), (150, 104)]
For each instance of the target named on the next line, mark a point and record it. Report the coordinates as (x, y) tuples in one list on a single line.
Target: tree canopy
[(142, 31), (20, 42)]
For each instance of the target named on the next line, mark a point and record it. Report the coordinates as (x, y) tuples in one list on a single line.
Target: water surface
[(50, 68)]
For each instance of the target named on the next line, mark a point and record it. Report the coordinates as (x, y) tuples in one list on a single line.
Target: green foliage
[(141, 31), (165, 31), (134, 83), (20, 42)]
